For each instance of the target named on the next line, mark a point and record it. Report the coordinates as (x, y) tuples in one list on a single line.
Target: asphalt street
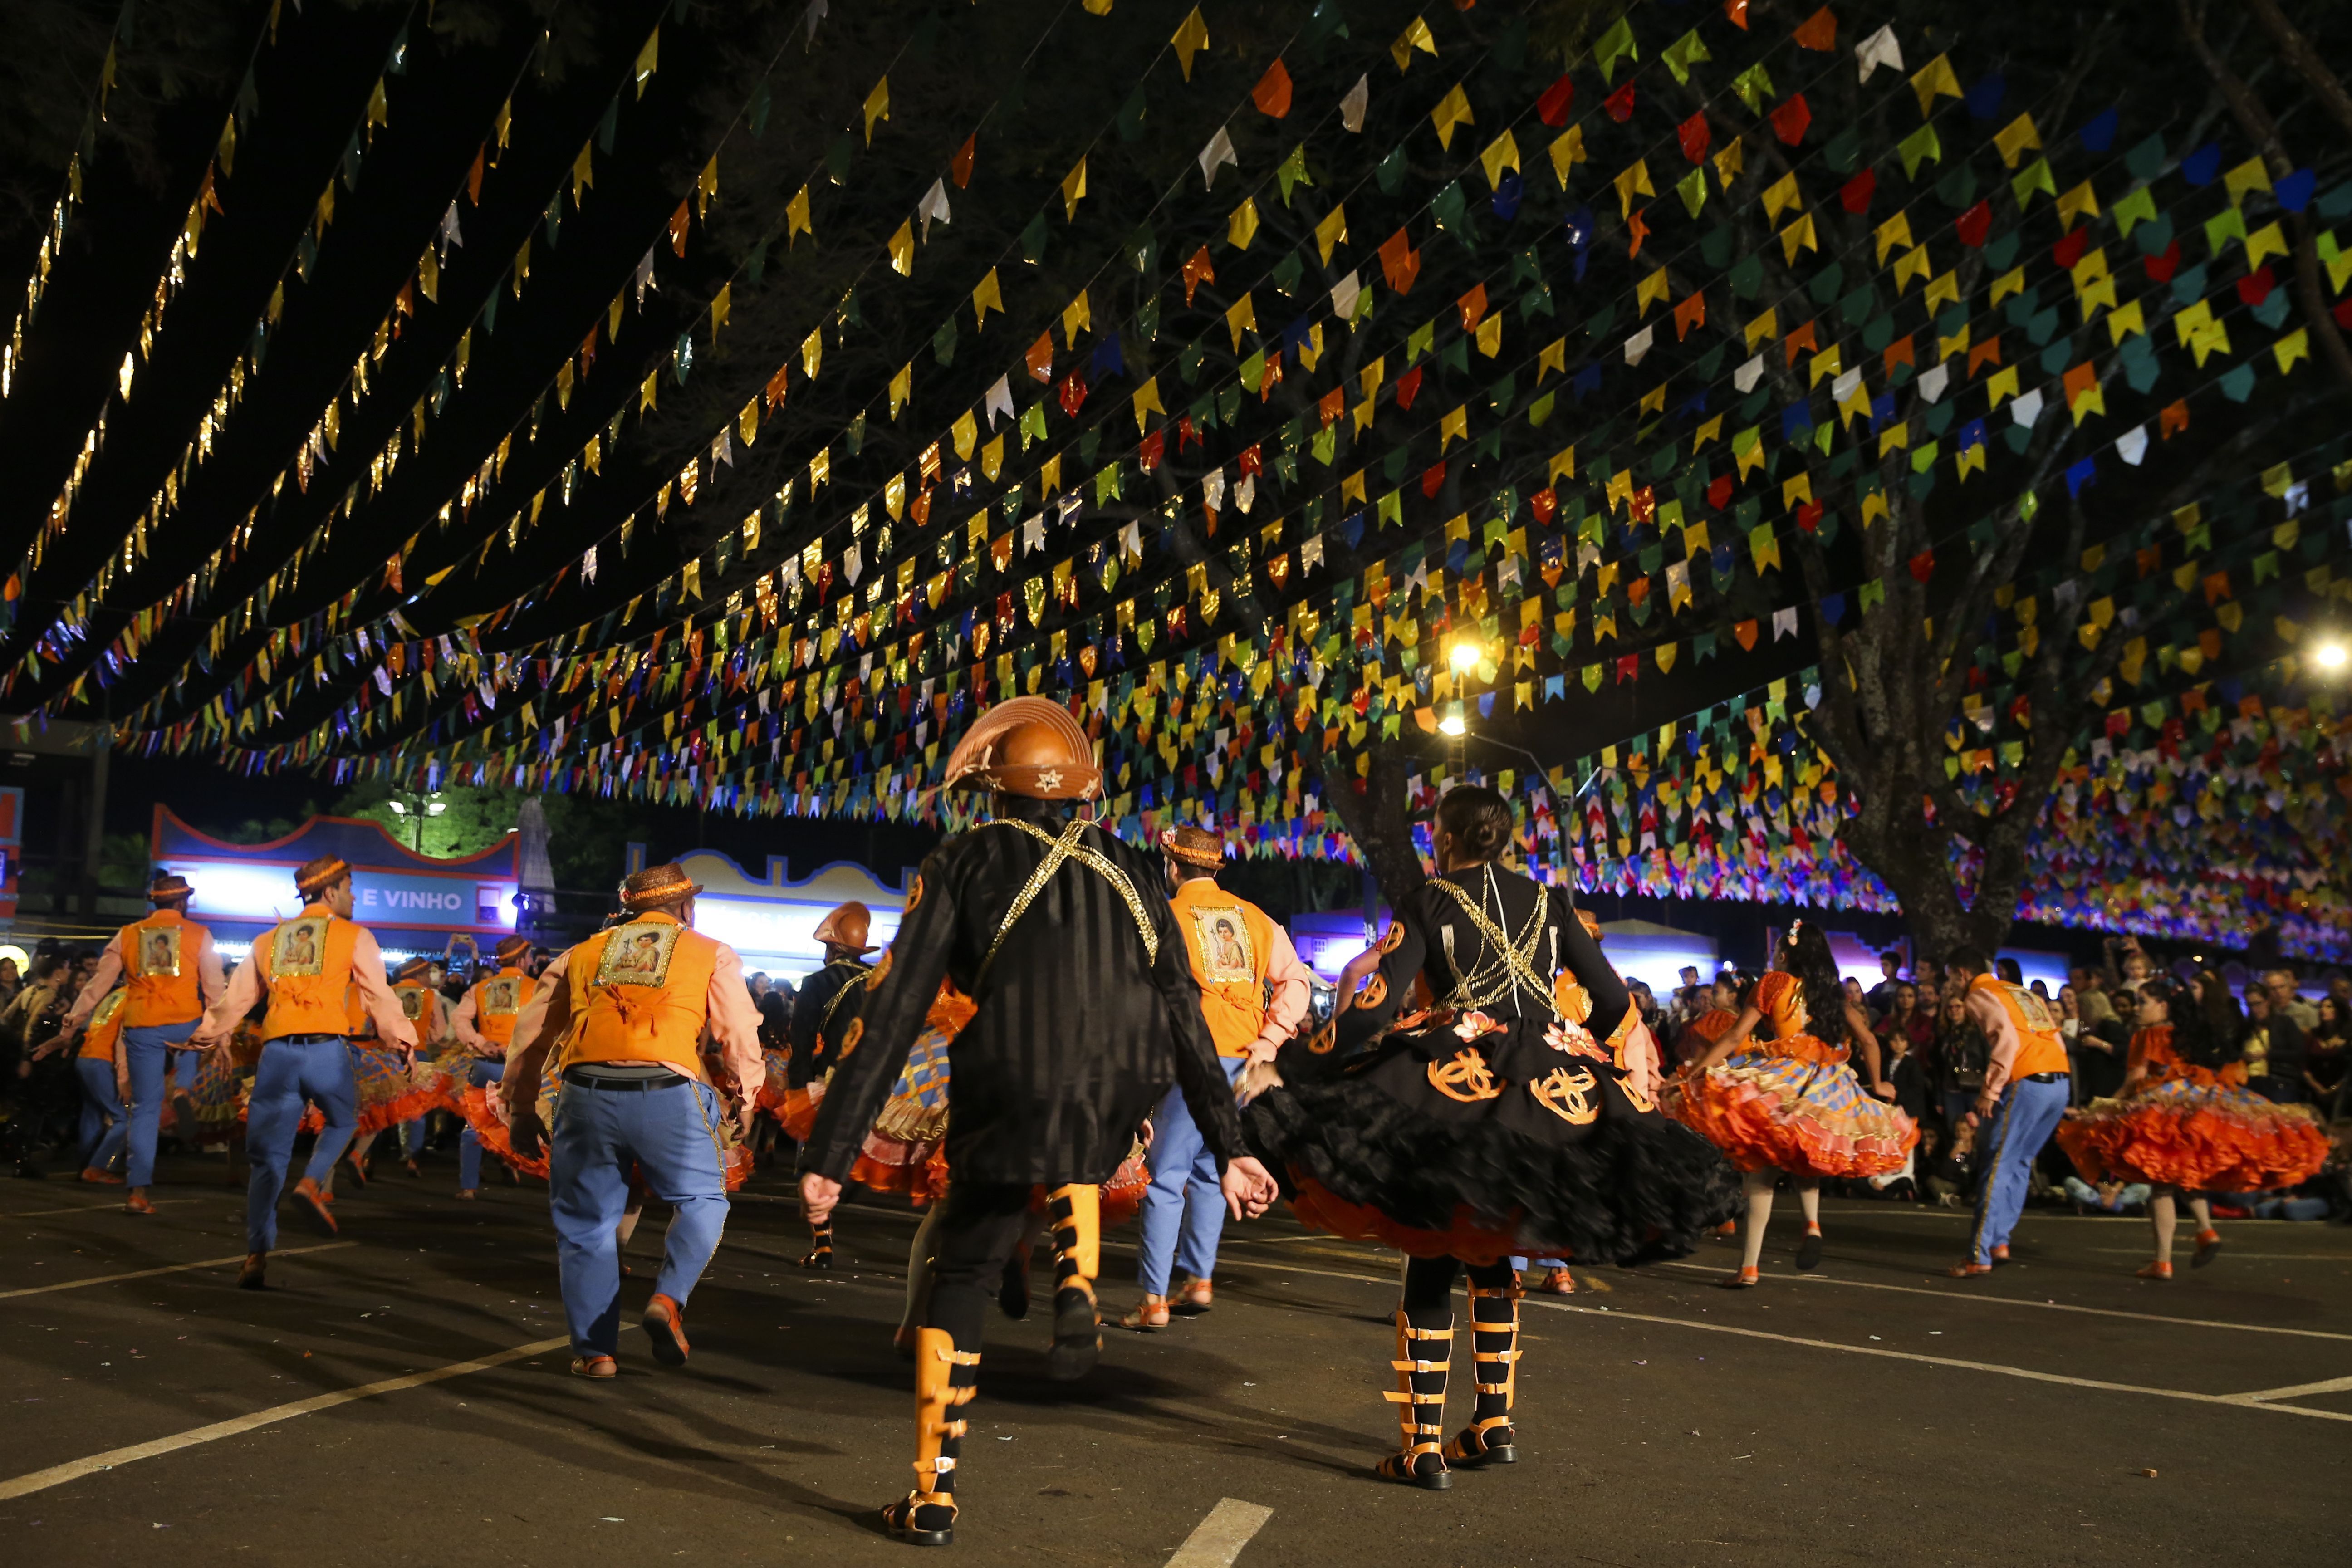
[(401, 1394)]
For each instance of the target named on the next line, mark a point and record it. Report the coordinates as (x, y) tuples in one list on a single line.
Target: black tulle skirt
[(1443, 1142)]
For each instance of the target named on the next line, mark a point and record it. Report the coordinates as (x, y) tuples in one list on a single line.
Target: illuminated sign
[(772, 922), (251, 890)]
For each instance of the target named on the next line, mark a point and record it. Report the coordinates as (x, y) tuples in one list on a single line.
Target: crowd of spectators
[(2289, 1033)]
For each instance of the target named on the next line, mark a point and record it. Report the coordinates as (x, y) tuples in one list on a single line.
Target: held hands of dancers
[(1249, 1188), (1641, 1059), (818, 1196)]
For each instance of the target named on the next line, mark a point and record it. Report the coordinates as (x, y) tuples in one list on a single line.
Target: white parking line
[(1217, 1540), (169, 1269), (2333, 1385), (58, 1475), (1961, 1293), (2237, 1401), (107, 1208)]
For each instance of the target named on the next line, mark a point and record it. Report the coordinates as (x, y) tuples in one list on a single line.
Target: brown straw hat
[(657, 885), (166, 886), (1193, 846), (317, 876), (411, 969), (512, 948), (1027, 746), (847, 926)]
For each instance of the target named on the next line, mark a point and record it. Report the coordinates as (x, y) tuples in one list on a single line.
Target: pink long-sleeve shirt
[(729, 1015), (245, 988), (210, 982)]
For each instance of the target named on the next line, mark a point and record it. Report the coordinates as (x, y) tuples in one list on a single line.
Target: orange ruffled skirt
[(1792, 1105), (2196, 1130)]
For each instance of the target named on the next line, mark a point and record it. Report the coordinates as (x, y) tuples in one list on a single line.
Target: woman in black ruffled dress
[(1508, 1108)]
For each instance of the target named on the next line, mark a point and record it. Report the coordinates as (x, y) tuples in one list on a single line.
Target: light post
[(413, 806)]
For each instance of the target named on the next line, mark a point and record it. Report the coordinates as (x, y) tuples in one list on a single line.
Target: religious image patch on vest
[(637, 954), (299, 947), (2037, 1017), (1223, 946), (159, 952), (500, 996), (412, 1003)]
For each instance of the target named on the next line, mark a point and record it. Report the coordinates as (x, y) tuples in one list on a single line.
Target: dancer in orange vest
[(2027, 1085), (485, 1023), (622, 1016), (174, 975), (305, 966), (1254, 994)]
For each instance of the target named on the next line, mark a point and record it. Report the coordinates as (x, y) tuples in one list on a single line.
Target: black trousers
[(1429, 1281), (980, 1223)]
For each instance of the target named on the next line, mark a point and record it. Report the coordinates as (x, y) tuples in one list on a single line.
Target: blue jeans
[(481, 1074), (1184, 1209), (103, 1125), (672, 1134), (316, 1068), (2021, 1124), (147, 1051)]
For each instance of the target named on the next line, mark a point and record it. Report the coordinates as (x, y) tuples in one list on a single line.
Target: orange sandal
[(1745, 1280), (1557, 1283), (1194, 1296), (2158, 1271), (1149, 1314)]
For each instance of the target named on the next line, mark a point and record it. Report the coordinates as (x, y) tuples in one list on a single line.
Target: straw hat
[(1193, 846), (511, 949), (317, 876), (657, 885), (166, 886)]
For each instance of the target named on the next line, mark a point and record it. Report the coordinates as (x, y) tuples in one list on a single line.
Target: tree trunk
[(2296, 50), (1375, 813)]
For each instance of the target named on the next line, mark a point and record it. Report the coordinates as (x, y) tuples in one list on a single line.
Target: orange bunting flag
[(1272, 94)]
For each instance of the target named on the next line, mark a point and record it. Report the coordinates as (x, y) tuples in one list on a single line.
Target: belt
[(582, 1080), (2044, 1078), (304, 1039)]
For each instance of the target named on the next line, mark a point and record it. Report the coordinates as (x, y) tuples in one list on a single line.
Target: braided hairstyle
[(1805, 953)]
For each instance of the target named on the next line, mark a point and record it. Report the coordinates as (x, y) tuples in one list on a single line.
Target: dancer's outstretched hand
[(1249, 1188), (818, 1194)]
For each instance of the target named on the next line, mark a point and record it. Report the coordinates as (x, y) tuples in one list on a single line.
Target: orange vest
[(415, 1000), (497, 1002), (1230, 941), (105, 1027), (306, 964), (2041, 1047), (641, 992), (159, 955)]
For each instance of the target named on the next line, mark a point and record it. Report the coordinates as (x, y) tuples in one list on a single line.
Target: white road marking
[(58, 1475), (109, 1208), (1217, 1540), (1960, 1293), (2333, 1385), (2237, 1401), (170, 1268)]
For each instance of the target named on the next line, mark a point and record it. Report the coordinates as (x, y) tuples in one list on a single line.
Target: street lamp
[(2330, 655), (1465, 657), (1452, 724), (427, 805)]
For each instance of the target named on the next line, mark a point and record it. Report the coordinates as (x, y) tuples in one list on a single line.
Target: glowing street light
[(1466, 656), (1452, 724), (2331, 656)]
